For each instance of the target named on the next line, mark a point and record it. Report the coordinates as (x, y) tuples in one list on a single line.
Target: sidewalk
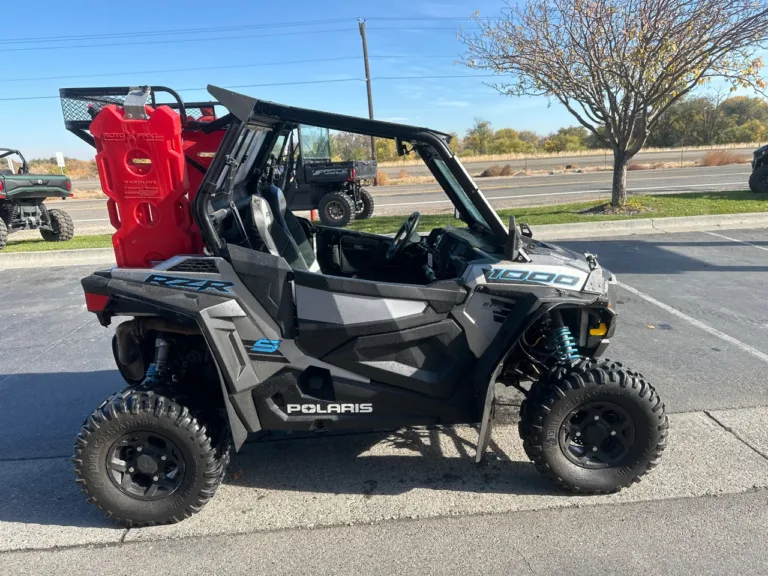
[(379, 478), (691, 536)]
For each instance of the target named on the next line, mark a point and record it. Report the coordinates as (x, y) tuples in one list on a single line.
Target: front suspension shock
[(565, 344), (563, 340)]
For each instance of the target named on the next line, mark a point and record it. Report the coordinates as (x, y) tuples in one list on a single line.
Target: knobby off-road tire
[(216, 424), (567, 394), (336, 209), (758, 180), (146, 413), (366, 211), (3, 234), (63, 228)]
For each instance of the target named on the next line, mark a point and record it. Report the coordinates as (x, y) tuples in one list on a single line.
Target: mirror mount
[(513, 247)]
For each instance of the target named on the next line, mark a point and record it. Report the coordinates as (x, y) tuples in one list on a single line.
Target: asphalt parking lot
[(694, 320)]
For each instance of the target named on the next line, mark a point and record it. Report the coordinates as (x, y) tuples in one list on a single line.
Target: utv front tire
[(62, 227), (758, 180), (145, 459), (366, 211), (594, 427), (3, 234), (336, 209)]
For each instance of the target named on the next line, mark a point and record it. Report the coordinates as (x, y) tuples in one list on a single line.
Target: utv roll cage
[(247, 111), (6, 152)]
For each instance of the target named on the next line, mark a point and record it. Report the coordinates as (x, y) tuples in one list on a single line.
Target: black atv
[(21, 200), (313, 181), (758, 180), (281, 325)]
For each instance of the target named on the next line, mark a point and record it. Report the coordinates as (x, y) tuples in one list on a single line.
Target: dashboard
[(450, 249)]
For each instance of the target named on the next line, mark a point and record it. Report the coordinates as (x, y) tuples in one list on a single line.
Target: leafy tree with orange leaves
[(618, 65)]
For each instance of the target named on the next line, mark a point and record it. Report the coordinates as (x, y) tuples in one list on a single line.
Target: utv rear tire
[(62, 227), (198, 471), (758, 180), (367, 210), (629, 428), (336, 210), (3, 234)]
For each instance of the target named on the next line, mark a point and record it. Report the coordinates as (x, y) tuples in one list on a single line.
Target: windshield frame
[(451, 186)]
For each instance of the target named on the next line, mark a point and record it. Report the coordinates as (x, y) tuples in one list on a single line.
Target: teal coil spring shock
[(565, 344)]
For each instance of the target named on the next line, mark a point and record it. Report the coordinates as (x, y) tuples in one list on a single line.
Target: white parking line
[(737, 240), (598, 191), (698, 323)]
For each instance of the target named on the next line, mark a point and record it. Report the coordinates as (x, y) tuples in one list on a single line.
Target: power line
[(431, 18), (229, 67), (178, 41), (139, 34), (142, 34), (297, 83)]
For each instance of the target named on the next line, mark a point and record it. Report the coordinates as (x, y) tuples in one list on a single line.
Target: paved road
[(532, 163), (508, 192), (582, 161), (693, 318)]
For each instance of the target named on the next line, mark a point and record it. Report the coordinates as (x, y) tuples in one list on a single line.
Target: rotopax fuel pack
[(141, 163)]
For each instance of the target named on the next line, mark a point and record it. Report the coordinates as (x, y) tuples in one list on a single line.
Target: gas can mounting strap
[(135, 103)]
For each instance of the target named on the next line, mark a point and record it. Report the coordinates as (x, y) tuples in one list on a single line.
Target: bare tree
[(617, 65)]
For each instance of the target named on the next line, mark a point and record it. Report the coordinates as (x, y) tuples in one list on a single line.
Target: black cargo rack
[(77, 102)]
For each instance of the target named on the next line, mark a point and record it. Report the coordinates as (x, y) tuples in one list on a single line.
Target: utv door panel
[(358, 253), (442, 298), (396, 334), (429, 359)]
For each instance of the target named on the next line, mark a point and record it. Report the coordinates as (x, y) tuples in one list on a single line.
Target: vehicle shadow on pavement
[(389, 463), (659, 256), (41, 415)]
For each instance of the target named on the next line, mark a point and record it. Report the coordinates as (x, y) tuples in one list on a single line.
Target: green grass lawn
[(658, 206), (38, 244)]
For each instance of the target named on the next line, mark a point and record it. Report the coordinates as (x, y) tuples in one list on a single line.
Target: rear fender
[(175, 311)]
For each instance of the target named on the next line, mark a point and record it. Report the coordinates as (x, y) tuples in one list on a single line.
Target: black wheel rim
[(597, 435), (334, 210), (145, 465)]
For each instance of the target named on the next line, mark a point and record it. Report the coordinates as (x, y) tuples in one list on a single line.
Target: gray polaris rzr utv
[(286, 326)]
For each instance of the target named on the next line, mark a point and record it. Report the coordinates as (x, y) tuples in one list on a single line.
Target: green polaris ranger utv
[(21, 200)]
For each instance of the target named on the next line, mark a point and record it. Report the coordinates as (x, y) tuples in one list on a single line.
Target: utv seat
[(281, 231)]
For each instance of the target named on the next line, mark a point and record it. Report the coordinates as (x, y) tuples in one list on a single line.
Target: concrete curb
[(549, 232), (651, 226), (55, 258)]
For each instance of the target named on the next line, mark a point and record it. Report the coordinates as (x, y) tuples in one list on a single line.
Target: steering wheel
[(400, 240)]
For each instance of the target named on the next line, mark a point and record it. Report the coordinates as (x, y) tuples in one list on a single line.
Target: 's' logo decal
[(265, 346)]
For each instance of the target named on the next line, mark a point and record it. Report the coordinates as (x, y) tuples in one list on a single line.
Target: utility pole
[(361, 23)]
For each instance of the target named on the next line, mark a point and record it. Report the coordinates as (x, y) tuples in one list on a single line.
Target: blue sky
[(256, 39), (422, 47)]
